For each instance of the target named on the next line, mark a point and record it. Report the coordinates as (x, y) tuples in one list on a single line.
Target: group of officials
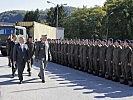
[(111, 59), (21, 54)]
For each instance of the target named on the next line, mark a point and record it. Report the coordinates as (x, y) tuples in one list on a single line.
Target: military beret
[(30, 36), (44, 35), (128, 41), (104, 40), (119, 41), (131, 41), (110, 39), (98, 40), (92, 40)]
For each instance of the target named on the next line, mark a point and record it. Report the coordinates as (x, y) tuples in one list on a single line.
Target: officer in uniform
[(131, 65), (125, 63), (96, 57), (109, 58), (69, 53), (54, 51), (85, 67), (65, 53), (90, 56), (42, 53), (81, 55), (116, 61), (72, 53), (76, 54), (31, 47), (11, 45), (102, 57), (62, 51), (59, 52)]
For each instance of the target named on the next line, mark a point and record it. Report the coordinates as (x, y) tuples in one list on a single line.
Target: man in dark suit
[(42, 53), (10, 53), (20, 57)]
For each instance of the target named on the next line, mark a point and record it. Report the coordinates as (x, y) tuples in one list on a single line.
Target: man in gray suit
[(42, 53), (20, 57)]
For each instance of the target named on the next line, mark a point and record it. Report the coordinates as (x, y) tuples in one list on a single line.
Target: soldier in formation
[(111, 59)]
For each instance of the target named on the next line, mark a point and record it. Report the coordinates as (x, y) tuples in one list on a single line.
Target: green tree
[(52, 16), (84, 23), (32, 16), (120, 22)]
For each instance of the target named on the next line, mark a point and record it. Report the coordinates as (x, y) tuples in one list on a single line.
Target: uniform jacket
[(42, 51)]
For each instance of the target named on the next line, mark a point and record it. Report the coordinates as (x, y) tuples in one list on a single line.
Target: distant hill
[(18, 15)]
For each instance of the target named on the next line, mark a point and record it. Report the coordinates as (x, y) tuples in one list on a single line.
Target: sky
[(6, 5)]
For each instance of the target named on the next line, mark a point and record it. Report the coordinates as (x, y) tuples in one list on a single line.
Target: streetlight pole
[(108, 24), (57, 16)]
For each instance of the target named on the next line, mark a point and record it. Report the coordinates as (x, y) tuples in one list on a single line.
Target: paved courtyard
[(62, 83)]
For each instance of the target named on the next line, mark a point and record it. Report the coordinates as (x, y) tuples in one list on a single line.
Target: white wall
[(41, 29)]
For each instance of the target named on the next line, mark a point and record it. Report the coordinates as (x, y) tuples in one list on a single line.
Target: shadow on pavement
[(92, 84), (38, 89), (1, 55), (9, 82), (5, 76)]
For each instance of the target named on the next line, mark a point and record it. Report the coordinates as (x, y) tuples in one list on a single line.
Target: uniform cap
[(30, 36), (110, 39), (119, 41), (128, 41)]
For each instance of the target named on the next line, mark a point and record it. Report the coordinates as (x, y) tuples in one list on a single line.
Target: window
[(19, 32)]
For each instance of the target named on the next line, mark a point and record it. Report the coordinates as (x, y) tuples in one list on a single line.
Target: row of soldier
[(105, 58)]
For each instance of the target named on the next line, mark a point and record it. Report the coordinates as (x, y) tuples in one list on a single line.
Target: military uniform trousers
[(126, 71), (13, 66), (85, 63), (90, 65), (29, 65), (109, 68), (132, 73), (96, 67), (42, 64), (116, 70), (102, 66), (76, 61)]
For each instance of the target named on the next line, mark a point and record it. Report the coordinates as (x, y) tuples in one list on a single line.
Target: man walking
[(42, 53), (31, 47), (20, 57), (10, 53)]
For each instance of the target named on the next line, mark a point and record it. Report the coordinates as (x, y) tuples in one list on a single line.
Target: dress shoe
[(9, 65), (12, 76), (43, 81), (20, 82), (29, 74)]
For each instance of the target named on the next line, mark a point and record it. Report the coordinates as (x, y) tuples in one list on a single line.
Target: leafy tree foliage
[(114, 19), (32, 16), (52, 16)]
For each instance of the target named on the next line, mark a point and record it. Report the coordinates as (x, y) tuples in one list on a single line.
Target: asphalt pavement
[(62, 83)]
